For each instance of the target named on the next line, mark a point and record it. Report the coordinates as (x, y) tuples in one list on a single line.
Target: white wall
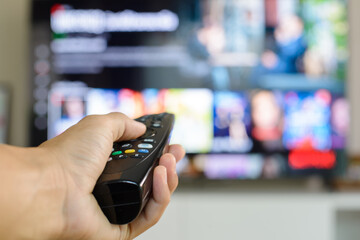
[(353, 84), (14, 64), (259, 216)]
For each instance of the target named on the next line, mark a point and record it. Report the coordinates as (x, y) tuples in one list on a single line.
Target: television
[(257, 87)]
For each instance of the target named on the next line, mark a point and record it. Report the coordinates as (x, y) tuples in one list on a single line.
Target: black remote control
[(125, 185)]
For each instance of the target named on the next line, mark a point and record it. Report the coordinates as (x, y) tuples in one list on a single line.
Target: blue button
[(143, 151)]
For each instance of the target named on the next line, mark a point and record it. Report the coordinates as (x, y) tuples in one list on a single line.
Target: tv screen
[(255, 85)]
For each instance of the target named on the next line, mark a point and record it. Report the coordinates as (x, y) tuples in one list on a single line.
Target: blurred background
[(264, 94)]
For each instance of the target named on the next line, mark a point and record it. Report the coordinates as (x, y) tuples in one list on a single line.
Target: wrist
[(35, 194), (50, 195)]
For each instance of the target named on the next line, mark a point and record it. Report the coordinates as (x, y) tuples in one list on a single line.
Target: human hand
[(77, 157)]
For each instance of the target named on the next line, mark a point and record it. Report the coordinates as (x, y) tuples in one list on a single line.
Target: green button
[(116, 153)]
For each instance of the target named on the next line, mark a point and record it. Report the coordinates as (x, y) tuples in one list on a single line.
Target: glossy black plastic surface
[(125, 185)]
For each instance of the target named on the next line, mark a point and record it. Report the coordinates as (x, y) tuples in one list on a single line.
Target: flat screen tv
[(257, 87)]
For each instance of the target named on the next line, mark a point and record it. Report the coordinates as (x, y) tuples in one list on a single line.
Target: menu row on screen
[(217, 121)]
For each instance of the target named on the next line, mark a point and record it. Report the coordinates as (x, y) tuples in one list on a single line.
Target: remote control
[(125, 185)]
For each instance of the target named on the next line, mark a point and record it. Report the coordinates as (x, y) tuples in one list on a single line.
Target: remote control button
[(142, 119), (156, 125), (110, 159), (122, 156), (116, 153), (143, 151), (129, 151), (126, 145), (149, 140), (145, 145), (137, 156)]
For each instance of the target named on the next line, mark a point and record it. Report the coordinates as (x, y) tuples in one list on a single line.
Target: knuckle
[(116, 115), (89, 118), (96, 121)]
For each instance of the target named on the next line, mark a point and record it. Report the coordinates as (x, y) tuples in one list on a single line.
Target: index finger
[(98, 132)]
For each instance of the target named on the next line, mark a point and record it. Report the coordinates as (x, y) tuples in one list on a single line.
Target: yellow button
[(130, 151)]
